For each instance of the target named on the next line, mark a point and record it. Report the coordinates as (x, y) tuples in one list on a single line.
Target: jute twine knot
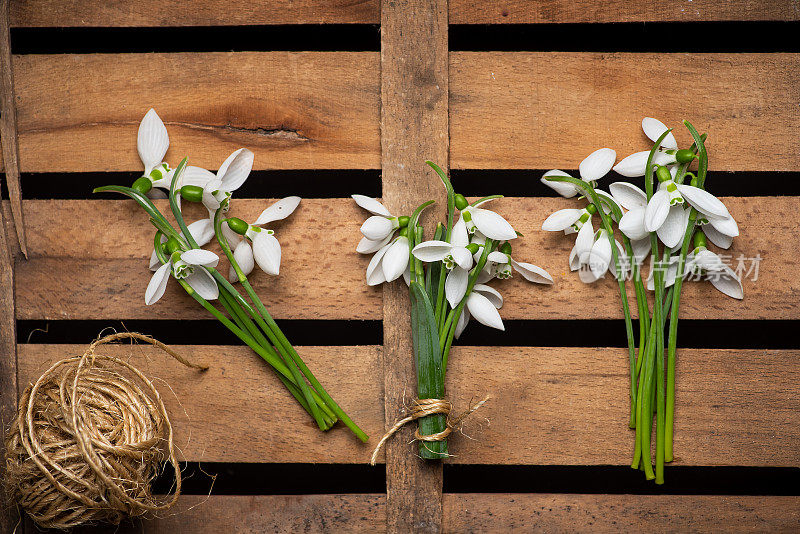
[(87, 441), (419, 408)]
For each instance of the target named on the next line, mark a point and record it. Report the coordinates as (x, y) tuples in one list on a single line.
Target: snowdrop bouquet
[(673, 224), (178, 254), (447, 278)]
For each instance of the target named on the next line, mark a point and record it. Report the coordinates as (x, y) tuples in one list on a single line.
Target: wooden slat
[(556, 406), (593, 11), (414, 128), (321, 109), (294, 110), (75, 266), (43, 13), (550, 110), (479, 512)]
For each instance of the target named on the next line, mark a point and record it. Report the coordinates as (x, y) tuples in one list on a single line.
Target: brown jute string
[(87, 441), (418, 408)]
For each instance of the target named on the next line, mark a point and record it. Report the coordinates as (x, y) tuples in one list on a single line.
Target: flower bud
[(700, 239), (192, 193), (662, 173), (142, 185), (505, 248), (461, 202), (684, 155), (403, 220), (238, 225)]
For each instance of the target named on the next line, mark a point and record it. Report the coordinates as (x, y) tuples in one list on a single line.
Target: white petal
[(377, 228), (395, 260), (203, 283), (492, 225), (653, 128), (635, 164), (267, 253), (278, 211), (725, 226), (584, 240), (717, 237), (157, 194), (209, 200), (532, 273), (462, 257), (407, 276), (600, 256), (657, 210), (727, 282), (561, 219), (459, 237), (490, 293), (482, 309), (671, 232), (198, 256), (624, 264), (485, 275), (202, 231), (455, 286), (463, 319), (243, 254), (158, 283), (641, 248), (704, 201), (628, 195), (374, 270), (497, 257), (152, 141), (371, 205), (705, 259), (367, 246), (155, 263), (432, 250), (232, 237), (196, 176), (632, 224), (564, 189), (574, 259), (234, 171), (597, 164)]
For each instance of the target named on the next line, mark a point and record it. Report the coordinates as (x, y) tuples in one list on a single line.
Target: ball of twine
[(89, 437)]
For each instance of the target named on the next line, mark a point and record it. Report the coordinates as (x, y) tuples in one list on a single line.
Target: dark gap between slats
[(693, 333), (659, 37), (527, 182), (289, 37), (199, 332), (307, 183), (299, 479)]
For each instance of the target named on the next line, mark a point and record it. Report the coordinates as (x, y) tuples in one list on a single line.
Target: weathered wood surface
[(549, 406), (550, 110), (41, 13), (414, 128), (321, 109), (293, 109), (81, 270), (471, 512), (8, 127)]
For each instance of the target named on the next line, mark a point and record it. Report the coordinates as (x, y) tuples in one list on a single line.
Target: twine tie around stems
[(419, 408)]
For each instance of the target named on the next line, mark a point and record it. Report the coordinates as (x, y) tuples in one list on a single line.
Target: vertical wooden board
[(414, 128)]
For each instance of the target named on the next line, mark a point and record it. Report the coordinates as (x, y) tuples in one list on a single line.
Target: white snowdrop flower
[(592, 168), (189, 265)]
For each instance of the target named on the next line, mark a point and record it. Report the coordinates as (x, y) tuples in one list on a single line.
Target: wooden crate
[(415, 100)]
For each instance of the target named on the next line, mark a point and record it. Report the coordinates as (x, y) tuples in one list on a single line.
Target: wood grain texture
[(238, 411), (321, 109), (9, 516), (8, 127), (43, 13), (479, 512), (101, 274), (293, 109), (550, 110), (414, 128), (549, 406), (594, 11)]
